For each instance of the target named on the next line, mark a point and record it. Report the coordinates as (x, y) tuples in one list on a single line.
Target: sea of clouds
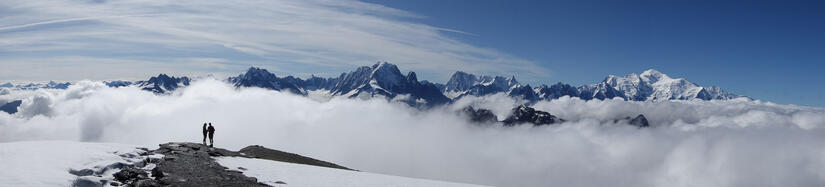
[(691, 143)]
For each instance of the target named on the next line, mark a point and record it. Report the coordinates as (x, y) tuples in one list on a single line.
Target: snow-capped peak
[(462, 83), (652, 75), (386, 74), (258, 77)]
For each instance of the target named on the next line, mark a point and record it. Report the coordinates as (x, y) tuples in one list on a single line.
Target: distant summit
[(386, 80), (163, 83), (257, 77)]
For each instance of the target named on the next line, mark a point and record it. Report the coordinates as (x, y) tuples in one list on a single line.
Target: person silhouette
[(211, 131), (204, 133)]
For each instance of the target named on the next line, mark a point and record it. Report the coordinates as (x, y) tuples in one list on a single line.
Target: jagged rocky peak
[(255, 72), (460, 81), (524, 114), (385, 79), (600, 91), (715, 92), (640, 121), (163, 83), (556, 90), (117, 83), (480, 115), (55, 85), (258, 77), (463, 84), (387, 73), (524, 93)]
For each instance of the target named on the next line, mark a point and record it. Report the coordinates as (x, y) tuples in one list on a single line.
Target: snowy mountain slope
[(287, 174), (385, 80), (68, 163), (463, 84), (716, 93), (47, 163), (599, 91), (652, 85)]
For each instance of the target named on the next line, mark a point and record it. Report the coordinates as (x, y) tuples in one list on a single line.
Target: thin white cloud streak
[(299, 36), (693, 143)]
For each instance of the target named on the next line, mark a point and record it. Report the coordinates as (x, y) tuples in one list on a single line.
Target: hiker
[(204, 133), (211, 131)]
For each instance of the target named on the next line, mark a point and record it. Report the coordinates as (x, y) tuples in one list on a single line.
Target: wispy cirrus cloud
[(295, 37)]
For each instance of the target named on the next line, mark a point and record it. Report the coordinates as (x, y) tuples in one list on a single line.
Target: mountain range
[(386, 80)]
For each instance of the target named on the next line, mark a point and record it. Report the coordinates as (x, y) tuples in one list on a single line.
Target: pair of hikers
[(211, 132)]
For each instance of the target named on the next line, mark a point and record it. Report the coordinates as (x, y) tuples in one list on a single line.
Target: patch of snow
[(47, 163), (271, 172)]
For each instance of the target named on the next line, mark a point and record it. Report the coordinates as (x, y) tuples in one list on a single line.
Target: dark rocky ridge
[(479, 115), (190, 164), (161, 84), (519, 115), (639, 121), (525, 114)]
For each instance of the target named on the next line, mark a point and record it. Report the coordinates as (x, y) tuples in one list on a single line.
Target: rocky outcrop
[(163, 83), (519, 115), (132, 171), (639, 121), (191, 164), (257, 77), (479, 115), (524, 114), (184, 164)]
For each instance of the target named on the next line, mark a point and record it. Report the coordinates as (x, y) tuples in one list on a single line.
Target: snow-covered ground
[(270, 172), (47, 163)]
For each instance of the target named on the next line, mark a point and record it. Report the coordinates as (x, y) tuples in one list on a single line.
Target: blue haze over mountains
[(386, 80)]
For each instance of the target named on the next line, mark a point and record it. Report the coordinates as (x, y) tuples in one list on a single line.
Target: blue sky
[(769, 50)]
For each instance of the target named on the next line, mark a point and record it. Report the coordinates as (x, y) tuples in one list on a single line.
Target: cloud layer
[(113, 39), (692, 143)]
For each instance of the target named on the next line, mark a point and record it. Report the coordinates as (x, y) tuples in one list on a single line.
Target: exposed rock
[(163, 83), (130, 175), (146, 183), (479, 115), (184, 164), (639, 121), (524, 114), (257, 77), (192, 165)]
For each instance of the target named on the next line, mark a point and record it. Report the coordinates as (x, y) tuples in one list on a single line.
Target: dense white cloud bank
[(692, 143)]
